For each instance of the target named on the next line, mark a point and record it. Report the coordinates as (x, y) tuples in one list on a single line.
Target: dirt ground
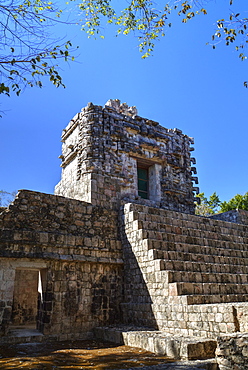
[(75, 355)]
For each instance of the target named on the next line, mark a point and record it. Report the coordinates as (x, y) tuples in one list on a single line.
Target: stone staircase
[(187, 274), (186, 282), (161, 343)]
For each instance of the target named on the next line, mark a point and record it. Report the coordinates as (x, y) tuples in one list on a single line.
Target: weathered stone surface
[(162, 343), (232, 352), (75, 248), (55, 227), (238, 215), (102, 148), (181, 272)]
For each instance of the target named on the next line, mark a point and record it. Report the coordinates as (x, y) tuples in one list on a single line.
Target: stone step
[(178, 219), (226, 233), (200, 258), (200, 267), (177, 347), (203, 258), (196, 277), (192, 240), (24, 335), (216, 298), (187, 288), (164, 247)]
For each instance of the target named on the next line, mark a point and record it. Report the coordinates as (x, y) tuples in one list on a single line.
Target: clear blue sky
[(185, 84)]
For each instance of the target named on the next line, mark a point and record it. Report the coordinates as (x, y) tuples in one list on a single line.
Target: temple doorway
[(27, 299)]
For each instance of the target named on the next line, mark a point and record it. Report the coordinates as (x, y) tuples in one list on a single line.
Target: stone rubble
[(232, 352)]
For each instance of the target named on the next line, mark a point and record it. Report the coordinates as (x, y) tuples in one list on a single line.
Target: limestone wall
[(75, 248), (39, 225), (184, 274), (239, 216), (102, 148), (232, 352)]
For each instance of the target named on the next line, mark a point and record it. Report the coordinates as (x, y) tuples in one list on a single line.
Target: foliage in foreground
[(148, 20), (28, 48), (30, 52)]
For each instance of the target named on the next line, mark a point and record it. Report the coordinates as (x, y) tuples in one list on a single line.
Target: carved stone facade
[(104, 146)]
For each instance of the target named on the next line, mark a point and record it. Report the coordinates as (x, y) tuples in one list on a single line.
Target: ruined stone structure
[(119, 244), (102, 149), (72, 252)]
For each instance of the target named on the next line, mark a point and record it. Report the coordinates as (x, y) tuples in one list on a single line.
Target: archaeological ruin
[(118, 252)]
